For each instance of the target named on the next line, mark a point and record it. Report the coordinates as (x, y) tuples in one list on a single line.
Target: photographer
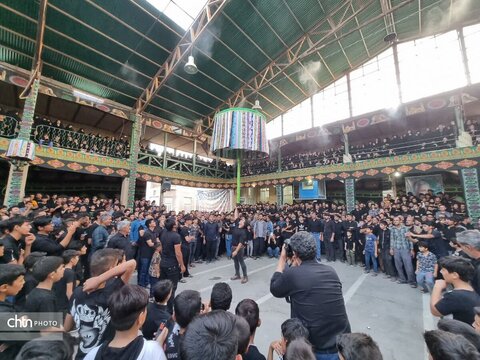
[(314, 292)]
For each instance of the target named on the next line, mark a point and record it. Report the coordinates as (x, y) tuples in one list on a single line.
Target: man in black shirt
[(239, 243), (315, 294), (45, 242), (315, 227), (328, 237), (146, 243), (186, 239), (172, 265), (121, 240)]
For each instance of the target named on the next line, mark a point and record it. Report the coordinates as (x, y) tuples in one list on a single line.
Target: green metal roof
[(112, 49)]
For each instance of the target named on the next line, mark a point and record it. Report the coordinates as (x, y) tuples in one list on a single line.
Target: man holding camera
[(314, 292)]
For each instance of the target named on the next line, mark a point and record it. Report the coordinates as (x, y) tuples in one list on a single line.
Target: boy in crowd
[(292, 329), (47, 271), (370, 251), (357, 346), (187, 305), (11, 282), (248, 309), (89, 310), (462, 299), (427, 268), (63, 289), (211, 336), (157, 312), (30, 281), (350, 248), (128, 311), (221, 297), (17, 228)]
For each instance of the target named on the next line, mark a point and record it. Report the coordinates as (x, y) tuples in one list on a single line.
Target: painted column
[(133, 160), (165, 139), (124, 191), (471, 191), (463, 138), (347, 158), (279, 193), (17, 177), (194, 160), (350, 194), (279, 159), (239, 175)]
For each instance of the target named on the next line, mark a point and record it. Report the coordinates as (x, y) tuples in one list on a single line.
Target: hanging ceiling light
[(190, 67), (257, 106)]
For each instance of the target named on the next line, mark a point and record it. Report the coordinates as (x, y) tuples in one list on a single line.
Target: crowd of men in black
[(77, 256), (410, 142), (57, 134)]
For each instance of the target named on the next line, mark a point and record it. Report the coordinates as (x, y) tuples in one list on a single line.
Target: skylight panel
[(182, 12)]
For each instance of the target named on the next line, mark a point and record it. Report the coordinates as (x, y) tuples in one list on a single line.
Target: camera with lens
[(288, 249)]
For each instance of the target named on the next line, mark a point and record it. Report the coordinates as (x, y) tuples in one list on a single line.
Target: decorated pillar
[(471, 191), (165, 140), (17, 177), (194, 158), (279, 159), (464, 138), (133, 160), (279, 193), (350, 194)]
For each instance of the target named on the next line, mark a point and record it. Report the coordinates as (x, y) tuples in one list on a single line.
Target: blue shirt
[(134, 229), (370, 242)]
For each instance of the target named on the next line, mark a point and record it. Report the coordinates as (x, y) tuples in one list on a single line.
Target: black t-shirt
[(460, 304), (60, 289), (145, 251), (172, 344), (301, 226), (239, 236), (41, 300), (169, 239), (315, 226), (30, 284), (13, 347), (184, 231), (45, 243), (252, 354), (11, 249), (156, 314), (92, 317)]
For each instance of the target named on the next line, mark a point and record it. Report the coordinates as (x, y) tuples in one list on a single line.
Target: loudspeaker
[(166, 185)]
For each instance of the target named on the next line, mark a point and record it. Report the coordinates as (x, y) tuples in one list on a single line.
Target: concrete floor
[(394, 315)]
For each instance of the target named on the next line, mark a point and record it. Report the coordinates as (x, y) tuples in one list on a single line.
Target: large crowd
[(77, 256), (409, 142)]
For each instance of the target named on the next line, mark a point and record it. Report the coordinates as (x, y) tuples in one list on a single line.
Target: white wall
[(178, 198)]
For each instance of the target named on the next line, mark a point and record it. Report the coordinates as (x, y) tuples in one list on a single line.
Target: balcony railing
[(77, 141), (184, 166), (9, 126)]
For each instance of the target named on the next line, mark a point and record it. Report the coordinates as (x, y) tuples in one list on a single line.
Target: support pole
[(165, 139), (194, 158), (239, 174), (397, 72), (133, 160)]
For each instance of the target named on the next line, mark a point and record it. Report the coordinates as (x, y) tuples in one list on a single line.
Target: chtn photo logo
[(21, 322)]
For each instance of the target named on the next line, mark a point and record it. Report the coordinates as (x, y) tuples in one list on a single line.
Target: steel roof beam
[(207, 15), (388, 16), (287, 58)]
